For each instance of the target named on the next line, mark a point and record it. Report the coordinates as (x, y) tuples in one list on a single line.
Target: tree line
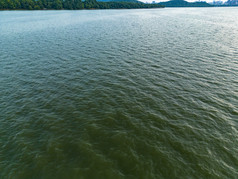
[(70, 5)]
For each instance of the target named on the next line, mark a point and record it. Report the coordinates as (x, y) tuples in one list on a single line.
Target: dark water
[(119, 94)]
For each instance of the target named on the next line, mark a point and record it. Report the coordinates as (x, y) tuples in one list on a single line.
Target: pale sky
[(149, 1)]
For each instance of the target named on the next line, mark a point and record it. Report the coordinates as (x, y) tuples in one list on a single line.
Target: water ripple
[(119, 94)]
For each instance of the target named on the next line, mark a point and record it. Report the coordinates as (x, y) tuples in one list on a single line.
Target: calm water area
[(114, 94)]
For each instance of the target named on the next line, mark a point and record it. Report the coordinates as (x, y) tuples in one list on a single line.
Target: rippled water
[(119, 94)]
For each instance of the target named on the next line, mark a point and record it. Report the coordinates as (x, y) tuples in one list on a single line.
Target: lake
[(148, 93)]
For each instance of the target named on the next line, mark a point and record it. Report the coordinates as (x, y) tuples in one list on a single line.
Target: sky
[(149, 1)]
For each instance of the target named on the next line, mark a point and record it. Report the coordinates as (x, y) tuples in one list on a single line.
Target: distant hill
[(135, 1), (182, 3), (232, 2)]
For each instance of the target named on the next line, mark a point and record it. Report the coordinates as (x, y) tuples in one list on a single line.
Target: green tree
[(57, 4)]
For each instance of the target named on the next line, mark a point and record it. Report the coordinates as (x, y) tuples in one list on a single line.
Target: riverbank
[(71, 5)]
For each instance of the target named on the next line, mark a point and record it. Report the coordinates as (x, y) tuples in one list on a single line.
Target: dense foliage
[(71, 4), (182, 3)]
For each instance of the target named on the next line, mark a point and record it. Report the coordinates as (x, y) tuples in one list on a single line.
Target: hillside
[(134, 1), (182, 3)]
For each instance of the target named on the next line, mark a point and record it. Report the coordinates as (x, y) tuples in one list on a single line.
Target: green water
[(119, 94)]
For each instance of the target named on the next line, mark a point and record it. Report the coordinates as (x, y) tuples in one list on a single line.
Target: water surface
[(119, 94)]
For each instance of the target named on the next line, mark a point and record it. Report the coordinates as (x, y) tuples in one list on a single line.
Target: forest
[(70, 5)]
